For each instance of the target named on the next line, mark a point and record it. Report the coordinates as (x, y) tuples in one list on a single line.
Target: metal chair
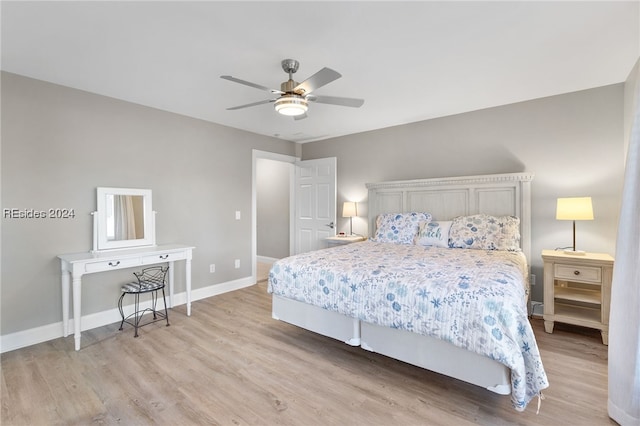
[(150, 280)]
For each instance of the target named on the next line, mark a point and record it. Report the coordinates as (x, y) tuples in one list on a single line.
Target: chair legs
[(137, 313), (121, 311), (166, 312)]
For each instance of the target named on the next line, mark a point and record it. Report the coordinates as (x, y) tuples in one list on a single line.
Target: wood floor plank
[(230, 363)]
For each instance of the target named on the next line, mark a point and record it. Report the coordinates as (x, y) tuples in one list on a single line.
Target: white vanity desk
[(124, 236), (74, 266)]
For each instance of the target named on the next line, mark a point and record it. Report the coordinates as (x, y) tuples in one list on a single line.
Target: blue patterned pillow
[(485, 232), (399, 228)]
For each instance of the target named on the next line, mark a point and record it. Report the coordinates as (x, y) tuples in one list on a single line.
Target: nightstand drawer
[(589, 274)]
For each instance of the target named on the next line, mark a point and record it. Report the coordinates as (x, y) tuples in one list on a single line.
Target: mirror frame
[(100, 241)]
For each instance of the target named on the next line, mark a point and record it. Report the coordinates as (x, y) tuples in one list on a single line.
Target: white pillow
[(434, 233)]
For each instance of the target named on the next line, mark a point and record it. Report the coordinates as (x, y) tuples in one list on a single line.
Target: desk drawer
[(589, 274), (108, 265), (163, 257)]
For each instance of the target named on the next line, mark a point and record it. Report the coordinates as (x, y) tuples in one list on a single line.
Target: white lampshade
[(349, 209), (575, 208), (291, 105)]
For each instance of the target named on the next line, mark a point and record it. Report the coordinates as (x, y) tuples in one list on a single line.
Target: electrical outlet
[(237, 263), (237, 214), (212, 268), (532, 280)]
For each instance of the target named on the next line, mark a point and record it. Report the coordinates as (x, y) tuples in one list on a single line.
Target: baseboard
[(33, 336), (265, 259)]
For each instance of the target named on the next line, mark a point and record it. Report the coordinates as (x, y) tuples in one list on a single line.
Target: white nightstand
[(577, 290), (340, 241)]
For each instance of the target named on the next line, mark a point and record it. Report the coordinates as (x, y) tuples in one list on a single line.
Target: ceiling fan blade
[(336, 100), (300, 117), (250, 84), (316, 81), (266, 101)]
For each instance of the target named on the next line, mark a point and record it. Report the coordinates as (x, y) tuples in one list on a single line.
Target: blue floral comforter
[(474, 299)]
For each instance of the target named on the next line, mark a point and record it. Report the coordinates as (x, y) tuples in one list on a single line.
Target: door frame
[(255, 156)]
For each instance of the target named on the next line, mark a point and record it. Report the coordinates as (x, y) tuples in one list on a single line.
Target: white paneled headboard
[(446, 198)]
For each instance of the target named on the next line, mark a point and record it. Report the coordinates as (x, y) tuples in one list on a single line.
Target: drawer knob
[(576, 272), (164, 256), (114, 264)]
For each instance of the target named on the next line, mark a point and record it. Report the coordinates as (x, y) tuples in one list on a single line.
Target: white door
[(315, 203)]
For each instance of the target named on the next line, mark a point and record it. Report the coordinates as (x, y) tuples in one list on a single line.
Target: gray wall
[(59, 144), (573, 143), (273, 181)]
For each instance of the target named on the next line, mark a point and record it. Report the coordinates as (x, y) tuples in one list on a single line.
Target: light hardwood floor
[(230, 363), (262, 271)]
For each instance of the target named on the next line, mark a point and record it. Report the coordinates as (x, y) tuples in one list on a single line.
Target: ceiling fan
[(295, 97)]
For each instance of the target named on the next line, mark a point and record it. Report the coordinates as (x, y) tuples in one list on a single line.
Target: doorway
[(272, 189), (297, 204)]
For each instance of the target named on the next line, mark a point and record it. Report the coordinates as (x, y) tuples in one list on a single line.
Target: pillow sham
[(485, 232), (434, 233), (399, 228)]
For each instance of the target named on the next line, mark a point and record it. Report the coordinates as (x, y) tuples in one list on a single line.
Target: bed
[(466, 318)]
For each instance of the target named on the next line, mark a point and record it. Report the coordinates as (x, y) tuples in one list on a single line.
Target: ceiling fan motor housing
[(288, 86)]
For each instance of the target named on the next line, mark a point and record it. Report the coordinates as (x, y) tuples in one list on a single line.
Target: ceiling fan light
[(291, 105)]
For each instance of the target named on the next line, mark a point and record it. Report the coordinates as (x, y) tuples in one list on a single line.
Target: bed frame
[(444, 198)]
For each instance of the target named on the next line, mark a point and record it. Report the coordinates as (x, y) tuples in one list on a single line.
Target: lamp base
[(575, 252)]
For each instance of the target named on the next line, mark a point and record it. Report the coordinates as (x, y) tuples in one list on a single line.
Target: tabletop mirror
[(124, 219)]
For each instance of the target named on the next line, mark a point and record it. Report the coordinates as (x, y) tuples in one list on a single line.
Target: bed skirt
[(423, 351)]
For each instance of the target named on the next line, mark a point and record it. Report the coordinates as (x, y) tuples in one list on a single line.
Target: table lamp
[(349, 210), (575, 208)]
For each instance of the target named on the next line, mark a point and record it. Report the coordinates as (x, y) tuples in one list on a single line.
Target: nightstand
[(340, 241), (577, 290)]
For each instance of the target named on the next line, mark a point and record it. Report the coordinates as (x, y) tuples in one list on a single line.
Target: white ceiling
[(410, 61)]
